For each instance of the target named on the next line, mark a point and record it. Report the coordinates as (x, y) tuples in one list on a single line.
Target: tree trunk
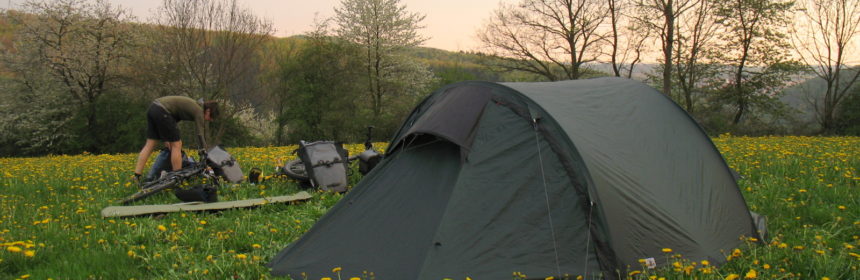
[(667, 48)]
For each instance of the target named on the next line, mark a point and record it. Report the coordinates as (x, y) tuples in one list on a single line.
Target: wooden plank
[(136, 210)]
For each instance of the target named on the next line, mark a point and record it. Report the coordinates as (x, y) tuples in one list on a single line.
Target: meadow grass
[(50, 223)]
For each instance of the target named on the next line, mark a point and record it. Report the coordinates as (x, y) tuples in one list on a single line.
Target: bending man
[(161, 119)]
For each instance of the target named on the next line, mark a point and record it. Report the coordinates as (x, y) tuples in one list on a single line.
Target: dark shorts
[(160, 125)]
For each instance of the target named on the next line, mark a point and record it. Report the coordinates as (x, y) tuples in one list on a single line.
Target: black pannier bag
[(326, 164), (224, 165), (368, 160), (203, 193)]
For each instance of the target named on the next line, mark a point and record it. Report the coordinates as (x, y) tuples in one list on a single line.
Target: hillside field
[(51, 228)]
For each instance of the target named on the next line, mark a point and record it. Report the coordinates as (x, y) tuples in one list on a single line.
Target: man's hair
[(212, 106)]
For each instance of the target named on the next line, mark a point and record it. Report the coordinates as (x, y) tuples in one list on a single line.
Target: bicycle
[(209, 169)]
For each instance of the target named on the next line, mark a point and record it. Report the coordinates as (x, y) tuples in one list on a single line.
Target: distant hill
[(803, 95)]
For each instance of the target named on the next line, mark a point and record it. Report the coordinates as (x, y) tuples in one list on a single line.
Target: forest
[(77, 75)]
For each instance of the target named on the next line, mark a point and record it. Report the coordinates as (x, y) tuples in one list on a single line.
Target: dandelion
[(667, 250), (842, 207), (336, 269), (241, 256), (161, 228), (29, 253), (736, 253), (732, 276), (752, 274), (13, 249), (549, 278)]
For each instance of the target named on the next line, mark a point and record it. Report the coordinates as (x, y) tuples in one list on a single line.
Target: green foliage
[(110, 135), (848, 119), (322, 91)]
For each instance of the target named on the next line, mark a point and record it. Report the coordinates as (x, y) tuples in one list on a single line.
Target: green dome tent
[(581, 177)]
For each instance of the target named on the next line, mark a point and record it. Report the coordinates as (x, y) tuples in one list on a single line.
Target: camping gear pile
[(325, 165), (584, 177), (222, 165), (200, 197)]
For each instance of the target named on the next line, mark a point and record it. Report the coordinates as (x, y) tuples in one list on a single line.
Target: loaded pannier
[(326, 164), (224, 165)]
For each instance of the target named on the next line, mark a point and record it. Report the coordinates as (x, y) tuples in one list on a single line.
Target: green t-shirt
[(185, 109)]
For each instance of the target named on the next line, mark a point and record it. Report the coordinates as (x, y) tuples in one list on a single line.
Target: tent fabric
[(662, 181), (454, 115), (574, 178)]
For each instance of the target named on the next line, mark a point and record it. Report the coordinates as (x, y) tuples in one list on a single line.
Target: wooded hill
[(276, 91)]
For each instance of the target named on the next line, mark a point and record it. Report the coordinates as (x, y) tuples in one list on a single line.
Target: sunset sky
[(450, 24)]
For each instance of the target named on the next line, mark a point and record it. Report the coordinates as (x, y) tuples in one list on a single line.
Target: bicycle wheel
[(295, 169)]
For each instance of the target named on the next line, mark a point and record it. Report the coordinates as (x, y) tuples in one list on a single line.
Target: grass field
[(50, 225)]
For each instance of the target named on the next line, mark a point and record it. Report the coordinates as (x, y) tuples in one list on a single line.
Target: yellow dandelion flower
[(549, 278), (241, 256), (130, 253), (30, 253), (202, 222), (354, 278), (325, 278), (706, 263), (13, 249), (336, 269), (842, 207), (667, 250), (825, 278), (256, 246), (25, 276), (752, 274), (161, 228), (732, 276), (736, 253), (766, 266)]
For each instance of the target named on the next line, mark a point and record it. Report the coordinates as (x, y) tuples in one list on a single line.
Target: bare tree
[(826, 37), (661, 16), (82, 47), (696, 33), (208, 49), (752, 39), (551, 38), (628, 39)]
